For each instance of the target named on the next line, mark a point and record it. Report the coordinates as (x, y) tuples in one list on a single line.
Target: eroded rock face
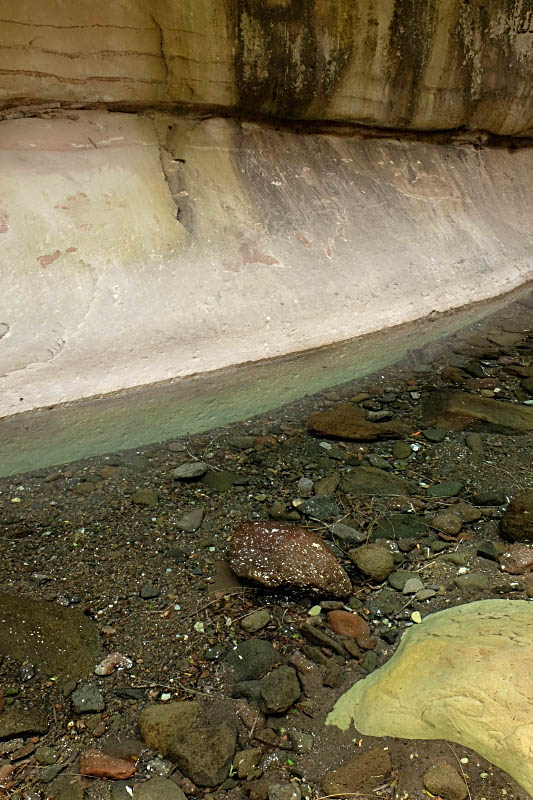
[(277, 554), (286, 59), (464, 675)]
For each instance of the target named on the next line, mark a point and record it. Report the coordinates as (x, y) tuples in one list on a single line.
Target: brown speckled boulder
[(281, 554)]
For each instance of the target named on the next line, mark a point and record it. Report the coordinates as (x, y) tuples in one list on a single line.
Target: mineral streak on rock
[(277, 554)]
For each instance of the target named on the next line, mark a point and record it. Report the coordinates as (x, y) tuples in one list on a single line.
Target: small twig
[(461, 768)]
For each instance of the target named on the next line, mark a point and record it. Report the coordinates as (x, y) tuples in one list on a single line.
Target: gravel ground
[(138, 554)]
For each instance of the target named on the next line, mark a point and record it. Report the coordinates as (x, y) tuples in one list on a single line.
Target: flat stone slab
[(464, 675), (59, 641)]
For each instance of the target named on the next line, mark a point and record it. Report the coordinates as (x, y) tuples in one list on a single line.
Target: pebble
[(447, 522), (85, 487), (434, 434), (87, 699), (352, 625), (475, 442), (517, 523), (321, 508), (284, 791), (149, 592), (275, 554), (401, 450), (256, 620), (280, 689), (491, 550), (245, 761), (190, 470), (191, 521), (493, 497), (472, 583), (158, 787), (412, 586), (445, 489), (347, 534), (378, 461), (372, 560), (399, 578), (304, 487), (252, 659), (517, 559), (96, 764), (443, 780), (144, 497), (112, 662)]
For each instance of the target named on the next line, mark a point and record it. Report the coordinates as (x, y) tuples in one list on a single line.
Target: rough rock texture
[(349, 422), (517, 522), (464, 675), (373, 560), (99, 765), (59, 641), (373, 62), (205, 754), (443, 780), (457, 410), (277, 554)]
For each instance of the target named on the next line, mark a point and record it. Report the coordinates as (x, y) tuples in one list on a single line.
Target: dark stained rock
[(59, 641), (252, 659), (204, 755), (364, 481), (400, 526), (457, 410), (517, 523), (347, 421), (280, 689), (277, 554)]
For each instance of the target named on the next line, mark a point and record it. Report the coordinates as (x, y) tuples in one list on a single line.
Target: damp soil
[(79, 537)]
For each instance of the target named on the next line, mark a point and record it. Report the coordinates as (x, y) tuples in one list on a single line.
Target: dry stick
[(460, 767)]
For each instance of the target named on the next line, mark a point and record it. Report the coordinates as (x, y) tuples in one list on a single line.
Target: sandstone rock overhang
[(146, 251)]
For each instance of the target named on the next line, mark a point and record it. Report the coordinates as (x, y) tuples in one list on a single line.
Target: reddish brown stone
[(277, 554), (347, 421), (517, 559), (517, 522), (352, 625), (308, 673), (98, 765)]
